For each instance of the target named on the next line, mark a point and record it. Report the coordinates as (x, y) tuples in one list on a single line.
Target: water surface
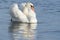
[(48, 28)]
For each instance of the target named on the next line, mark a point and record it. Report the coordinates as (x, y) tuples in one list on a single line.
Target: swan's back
[(16, 14)]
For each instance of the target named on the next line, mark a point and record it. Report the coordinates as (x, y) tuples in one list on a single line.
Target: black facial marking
[(32, 6)]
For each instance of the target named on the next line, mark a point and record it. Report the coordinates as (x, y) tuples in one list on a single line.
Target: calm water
[(48, 28)]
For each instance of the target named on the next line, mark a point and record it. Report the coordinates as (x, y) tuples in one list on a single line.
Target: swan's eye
[(32, 6)]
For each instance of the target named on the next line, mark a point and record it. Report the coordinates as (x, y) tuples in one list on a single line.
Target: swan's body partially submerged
[(26, 15)]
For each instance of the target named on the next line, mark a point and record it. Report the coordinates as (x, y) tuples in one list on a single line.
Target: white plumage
[(27, 13), (16, 14)]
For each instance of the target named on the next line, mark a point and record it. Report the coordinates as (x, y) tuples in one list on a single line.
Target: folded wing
[(17, 14)]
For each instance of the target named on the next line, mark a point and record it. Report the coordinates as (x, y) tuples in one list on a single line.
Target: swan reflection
[(22, 31)]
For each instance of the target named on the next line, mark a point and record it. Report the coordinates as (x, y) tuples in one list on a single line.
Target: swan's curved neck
[(25, 10)]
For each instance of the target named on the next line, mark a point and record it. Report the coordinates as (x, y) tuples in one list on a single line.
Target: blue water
[(48, 15)]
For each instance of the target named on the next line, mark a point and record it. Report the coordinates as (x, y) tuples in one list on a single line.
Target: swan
[(28, 10), (27, 14), (17, 14)]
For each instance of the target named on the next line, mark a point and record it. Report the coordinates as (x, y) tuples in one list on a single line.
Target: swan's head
[(30, 5)]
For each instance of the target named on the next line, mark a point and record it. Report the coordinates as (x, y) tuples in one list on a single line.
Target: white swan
[(16, 14), (26, 15)]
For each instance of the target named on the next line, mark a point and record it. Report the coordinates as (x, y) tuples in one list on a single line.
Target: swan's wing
[(16, 14)]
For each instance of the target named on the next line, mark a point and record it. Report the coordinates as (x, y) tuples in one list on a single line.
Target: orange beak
[(32, 7)]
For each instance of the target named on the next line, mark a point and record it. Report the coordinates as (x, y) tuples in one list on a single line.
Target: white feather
[(31, 15), (26, 15), (16, 14)]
